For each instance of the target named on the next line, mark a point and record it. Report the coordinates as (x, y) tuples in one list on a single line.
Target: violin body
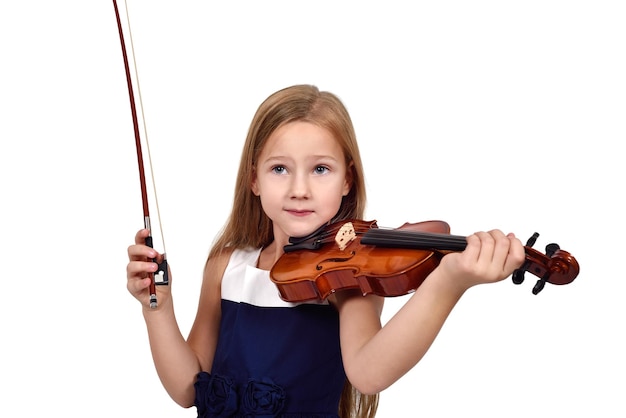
[(356, 254), (314, 275)]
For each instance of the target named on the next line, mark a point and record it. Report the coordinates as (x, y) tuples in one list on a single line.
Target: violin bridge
[(345, 234)]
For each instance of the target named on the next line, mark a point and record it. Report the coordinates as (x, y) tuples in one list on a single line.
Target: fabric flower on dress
[(216, 396), (263, 398)]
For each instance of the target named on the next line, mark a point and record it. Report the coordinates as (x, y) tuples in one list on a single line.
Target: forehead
[(302, 137)]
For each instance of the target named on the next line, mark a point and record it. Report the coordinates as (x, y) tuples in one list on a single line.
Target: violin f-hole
[(319, 266)]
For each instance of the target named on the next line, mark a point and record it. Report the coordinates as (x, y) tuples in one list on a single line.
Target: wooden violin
[(356, 254)]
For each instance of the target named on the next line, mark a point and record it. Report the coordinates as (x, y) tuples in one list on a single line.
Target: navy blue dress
[(273, 358)]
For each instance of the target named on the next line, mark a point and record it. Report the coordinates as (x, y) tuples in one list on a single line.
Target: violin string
[(145, 128), (404, 238), (402, 234), (415, 238), (419, 237)]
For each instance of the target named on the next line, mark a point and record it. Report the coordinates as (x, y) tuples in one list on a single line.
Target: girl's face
[(300, 177)]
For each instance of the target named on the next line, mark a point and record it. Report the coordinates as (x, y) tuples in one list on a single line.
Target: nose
[(300, 187)]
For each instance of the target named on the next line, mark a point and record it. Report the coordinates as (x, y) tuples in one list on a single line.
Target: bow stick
[(161, 272)]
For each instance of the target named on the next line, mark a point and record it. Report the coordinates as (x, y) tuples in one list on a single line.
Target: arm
[(177, 361), (374, 356)]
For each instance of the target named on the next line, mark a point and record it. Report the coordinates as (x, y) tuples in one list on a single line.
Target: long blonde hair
[(249, 226)]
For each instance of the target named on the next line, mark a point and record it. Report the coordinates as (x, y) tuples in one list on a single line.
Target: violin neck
[(397, 238)]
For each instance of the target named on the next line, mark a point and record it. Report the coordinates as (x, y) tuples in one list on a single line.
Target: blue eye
[(320, 169), (279, 169)]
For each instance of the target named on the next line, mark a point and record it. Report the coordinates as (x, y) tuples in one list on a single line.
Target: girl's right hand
[(140, 269)]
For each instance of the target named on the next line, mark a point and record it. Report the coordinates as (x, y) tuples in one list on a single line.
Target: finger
[(140, 269), (501, 246), (472, 249), (141, 235), (487, 245), (517, 253), (137, 286), (141, 251)]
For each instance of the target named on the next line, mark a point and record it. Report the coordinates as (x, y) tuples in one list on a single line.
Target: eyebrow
[(312, 157)]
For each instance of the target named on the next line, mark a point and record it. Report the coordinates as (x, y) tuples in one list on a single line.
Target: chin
[(303, 230)]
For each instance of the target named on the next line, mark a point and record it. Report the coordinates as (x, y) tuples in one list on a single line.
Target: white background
[(485, 114)]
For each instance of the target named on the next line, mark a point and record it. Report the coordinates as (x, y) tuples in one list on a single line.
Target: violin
[(357, 254)]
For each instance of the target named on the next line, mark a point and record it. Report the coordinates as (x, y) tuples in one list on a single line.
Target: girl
[(249, 353)]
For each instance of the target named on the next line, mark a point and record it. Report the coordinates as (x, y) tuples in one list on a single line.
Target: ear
[(253, 183), (347, 184)]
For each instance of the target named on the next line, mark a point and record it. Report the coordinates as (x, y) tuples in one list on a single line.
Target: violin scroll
[(556, 266)]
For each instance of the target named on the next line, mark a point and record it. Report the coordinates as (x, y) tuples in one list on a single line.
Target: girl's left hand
[(489, 257)]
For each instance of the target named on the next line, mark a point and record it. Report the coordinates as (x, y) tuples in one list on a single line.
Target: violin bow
[(160, 277)]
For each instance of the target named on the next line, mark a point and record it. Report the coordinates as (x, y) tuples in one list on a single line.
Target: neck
[(269, 255)]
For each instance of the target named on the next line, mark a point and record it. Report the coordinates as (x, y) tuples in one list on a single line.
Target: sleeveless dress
[(273, 358)]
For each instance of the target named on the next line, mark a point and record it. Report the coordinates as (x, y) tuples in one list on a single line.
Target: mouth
[(299, 212)]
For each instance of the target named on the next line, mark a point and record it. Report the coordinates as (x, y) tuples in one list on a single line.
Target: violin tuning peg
[(551, 249), (531, 241), (518, 276), (539, 286)]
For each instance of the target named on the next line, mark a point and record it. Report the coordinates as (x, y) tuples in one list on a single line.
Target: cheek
[(335, 197), (260, 186), (269, 196)]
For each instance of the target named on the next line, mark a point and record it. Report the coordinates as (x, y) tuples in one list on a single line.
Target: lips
[(299, 212)]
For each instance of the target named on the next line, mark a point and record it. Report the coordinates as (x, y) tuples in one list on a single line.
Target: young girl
[(250, 353)]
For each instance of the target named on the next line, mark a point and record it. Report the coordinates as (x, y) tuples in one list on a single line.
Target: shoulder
[(210, 291), (215, 267), (226, 262)]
